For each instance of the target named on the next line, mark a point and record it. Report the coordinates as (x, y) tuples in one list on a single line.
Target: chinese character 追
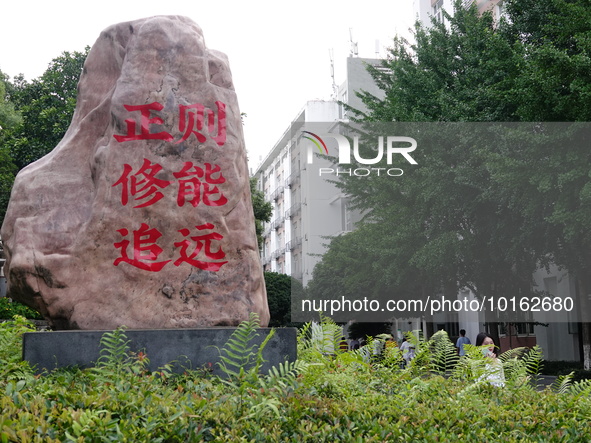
[(145, 249)]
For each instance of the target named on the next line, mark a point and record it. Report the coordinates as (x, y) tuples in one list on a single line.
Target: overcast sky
[(278, 51)]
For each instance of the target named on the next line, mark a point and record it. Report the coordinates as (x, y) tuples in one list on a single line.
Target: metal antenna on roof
[(334, 85), (354, 50)]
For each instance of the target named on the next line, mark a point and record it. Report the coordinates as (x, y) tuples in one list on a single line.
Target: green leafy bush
[(9, 308), (325, 396)]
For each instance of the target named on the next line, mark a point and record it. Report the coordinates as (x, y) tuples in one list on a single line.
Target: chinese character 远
[(202, 244)]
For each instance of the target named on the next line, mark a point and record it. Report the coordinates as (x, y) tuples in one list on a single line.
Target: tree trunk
[(430, 327), (585, 326)]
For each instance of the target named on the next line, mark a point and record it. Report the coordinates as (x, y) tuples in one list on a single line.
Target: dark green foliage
[(47, 105), (9, 308), (262, 209), (35, 116), (363, 330), (281, 291), (338, 397)]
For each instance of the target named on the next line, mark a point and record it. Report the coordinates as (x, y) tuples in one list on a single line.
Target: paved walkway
[(545, 381)]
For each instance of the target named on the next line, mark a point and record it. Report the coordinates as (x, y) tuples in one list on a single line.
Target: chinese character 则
[(194, 118)]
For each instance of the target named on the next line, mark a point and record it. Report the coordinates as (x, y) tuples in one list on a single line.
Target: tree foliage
[(262, 209), (280, 290), (35, 116), (475, 214)]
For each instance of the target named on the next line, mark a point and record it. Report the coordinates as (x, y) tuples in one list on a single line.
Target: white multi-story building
[(425, 9), (307, 209)]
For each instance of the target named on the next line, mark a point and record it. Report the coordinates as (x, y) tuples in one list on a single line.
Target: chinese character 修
[(142, 185)]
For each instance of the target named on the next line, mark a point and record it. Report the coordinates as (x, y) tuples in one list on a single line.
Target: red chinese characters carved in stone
[(196, 119), (193, 182), (145, 249), (145, 121), (203, 247), (143, 185)]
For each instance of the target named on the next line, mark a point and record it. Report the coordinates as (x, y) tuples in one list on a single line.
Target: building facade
[(307, 208), (425, 9)]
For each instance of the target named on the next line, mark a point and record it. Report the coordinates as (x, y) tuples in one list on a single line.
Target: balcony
[(277, 193), (278, 253), (293, 179), (293, 210), (277, 223), (294, 243)]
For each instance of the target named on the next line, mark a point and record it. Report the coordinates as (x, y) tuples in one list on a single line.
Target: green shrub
[(9, 308), (327, 396)]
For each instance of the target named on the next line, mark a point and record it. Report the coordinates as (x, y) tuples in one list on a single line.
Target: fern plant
[(11, 366), (563, 383), (444, 356), (240, 357), (115, 355), (241, 361)]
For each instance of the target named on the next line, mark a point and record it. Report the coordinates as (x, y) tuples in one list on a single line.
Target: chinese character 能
[(190, 185)]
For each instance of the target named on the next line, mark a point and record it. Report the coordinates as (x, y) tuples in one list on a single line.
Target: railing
[(292, 179), (278, 253), (294, 243), (293, 210), (277, 193)]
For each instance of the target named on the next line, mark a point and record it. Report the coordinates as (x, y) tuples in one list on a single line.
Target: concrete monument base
[(185, 348)]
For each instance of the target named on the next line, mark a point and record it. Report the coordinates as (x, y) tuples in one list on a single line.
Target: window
[(438, 11)]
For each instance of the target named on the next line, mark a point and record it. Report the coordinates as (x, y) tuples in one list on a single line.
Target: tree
[(37, 116), (47, 105), (262, 209), (443, 211), (9, 119), (280, 290), (556, 86), (474, 196)]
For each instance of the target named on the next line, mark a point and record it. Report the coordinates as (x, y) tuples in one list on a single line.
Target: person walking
[(462, 340)]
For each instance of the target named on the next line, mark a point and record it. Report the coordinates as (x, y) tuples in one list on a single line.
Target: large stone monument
[(141, 216)]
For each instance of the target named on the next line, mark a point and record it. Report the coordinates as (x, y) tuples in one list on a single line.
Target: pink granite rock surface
[(141, 216)]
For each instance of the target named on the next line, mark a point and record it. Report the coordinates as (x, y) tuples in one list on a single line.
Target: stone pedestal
[(185, 348)]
